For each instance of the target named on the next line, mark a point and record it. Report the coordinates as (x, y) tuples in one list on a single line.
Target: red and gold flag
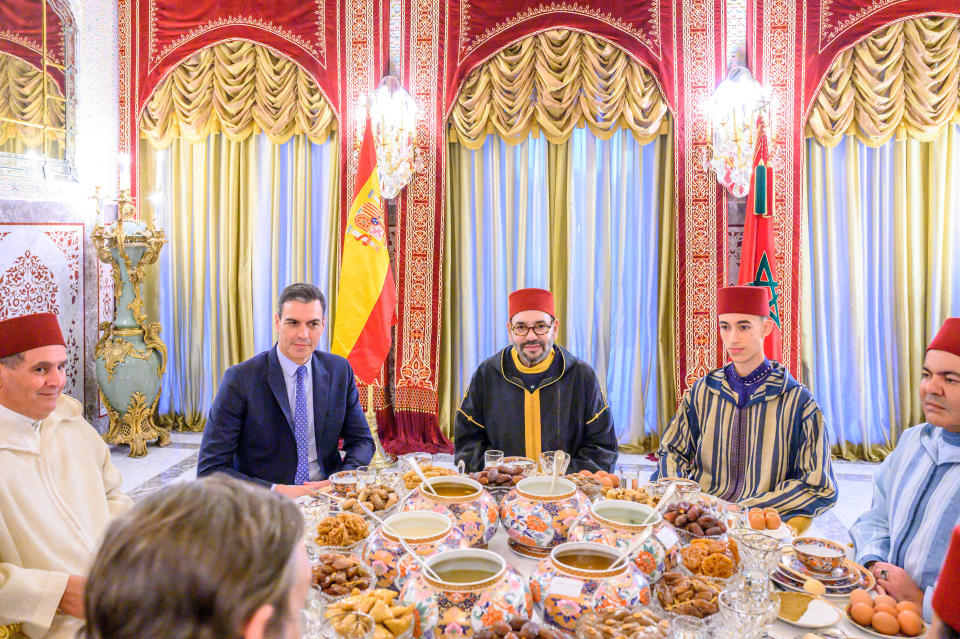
[(367, 295), (758, 265)]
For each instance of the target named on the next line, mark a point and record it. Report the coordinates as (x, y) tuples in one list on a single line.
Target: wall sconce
[(732, 110), (393, 120)]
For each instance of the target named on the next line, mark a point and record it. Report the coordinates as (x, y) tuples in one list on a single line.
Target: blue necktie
[(300, 423)]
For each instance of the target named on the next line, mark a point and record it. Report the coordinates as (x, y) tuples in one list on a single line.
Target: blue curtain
[(502, 212), (613, 272), (879, 278), (244, 220)]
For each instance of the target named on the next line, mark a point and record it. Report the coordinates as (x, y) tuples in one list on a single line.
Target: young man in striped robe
[(904, 536), (749, 432)]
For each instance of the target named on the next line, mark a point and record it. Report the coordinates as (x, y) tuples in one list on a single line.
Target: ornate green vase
[(130, 356)]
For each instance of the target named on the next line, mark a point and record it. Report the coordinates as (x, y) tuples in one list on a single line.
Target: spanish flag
[(758, 265), (366, 296)]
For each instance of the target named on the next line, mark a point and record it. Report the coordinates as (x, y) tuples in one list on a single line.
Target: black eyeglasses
[(540, 328)]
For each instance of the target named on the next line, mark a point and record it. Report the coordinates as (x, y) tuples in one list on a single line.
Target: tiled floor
[(178, 462)]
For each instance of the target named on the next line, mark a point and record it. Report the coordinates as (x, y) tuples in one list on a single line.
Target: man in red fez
[(749, 432), (60, 488), (534, 396), (904, 536)]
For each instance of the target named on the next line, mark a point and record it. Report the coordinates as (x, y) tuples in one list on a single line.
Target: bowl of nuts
[(695, 520), (623, 623), (519, 626), (375, 498), (681, 594), (337, 574), (498, 480)]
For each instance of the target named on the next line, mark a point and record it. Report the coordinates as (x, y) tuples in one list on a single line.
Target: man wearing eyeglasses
[(534, 396)]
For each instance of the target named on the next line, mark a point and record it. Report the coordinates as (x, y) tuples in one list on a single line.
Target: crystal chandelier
[(393, 120), (733, 110)]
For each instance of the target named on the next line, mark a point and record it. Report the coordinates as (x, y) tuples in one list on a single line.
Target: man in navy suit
[(278, 416)]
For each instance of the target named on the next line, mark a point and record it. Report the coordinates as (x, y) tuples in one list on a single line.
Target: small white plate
[(819, 614)]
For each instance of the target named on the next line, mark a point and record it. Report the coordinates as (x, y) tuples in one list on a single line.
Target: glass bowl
[(364, 570)]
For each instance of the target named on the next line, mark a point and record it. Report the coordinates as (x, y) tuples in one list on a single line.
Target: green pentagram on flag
[(764, 277)]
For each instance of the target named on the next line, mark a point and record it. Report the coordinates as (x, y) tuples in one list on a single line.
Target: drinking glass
[(550, 458), (366, 476), (747, 613), (492, 458), (629, 476), (758, 551), (686, 627)]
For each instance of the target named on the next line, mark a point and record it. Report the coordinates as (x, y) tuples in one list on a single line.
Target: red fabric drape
[(791, 51), (21, 34)]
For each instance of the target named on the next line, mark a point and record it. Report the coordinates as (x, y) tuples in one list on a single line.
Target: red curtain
[(342, 44), (21, 35)]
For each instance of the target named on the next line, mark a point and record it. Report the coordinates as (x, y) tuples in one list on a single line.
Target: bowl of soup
[(425, 532), (580, 576), (819, 555), (617, 523), (537, 514), (472, 510), (472, 589)]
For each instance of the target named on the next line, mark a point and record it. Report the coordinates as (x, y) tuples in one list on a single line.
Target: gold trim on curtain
[(903, 79), (21, 98), (237, 88), (552, 82)]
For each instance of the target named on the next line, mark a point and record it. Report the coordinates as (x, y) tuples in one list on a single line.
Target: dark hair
[(195, 560), (301, 292), (12, 361)]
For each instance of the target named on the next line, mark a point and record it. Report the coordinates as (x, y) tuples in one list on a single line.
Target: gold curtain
[(230, 149), (21, 98), (225, 248), (237, 88), (893, 262), (903, 79), (551, 83)]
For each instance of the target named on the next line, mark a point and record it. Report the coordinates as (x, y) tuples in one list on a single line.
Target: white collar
[(16, 419)]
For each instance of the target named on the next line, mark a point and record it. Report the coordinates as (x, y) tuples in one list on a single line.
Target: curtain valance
[(552, 82), (238, 88)]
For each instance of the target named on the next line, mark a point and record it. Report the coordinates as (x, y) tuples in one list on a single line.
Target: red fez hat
[(948, 339), (24, 333), (748, 300), (945, 601), (531, 299)]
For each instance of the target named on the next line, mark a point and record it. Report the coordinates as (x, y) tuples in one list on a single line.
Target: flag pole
[(381, 458)]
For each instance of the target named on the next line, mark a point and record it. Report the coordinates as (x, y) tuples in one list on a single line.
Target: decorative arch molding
[(480, 30), (342, 44), (512, 93)]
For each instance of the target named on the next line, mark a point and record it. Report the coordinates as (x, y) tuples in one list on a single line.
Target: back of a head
[(194, 561)]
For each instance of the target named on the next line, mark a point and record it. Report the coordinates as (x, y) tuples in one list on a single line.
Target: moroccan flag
[(758, 265), (367, 296)]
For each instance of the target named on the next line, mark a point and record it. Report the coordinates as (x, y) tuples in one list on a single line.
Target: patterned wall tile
[(41, 270)]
